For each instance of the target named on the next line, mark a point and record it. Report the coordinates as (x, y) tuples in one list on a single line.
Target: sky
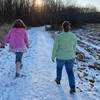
[(95, 3), (88, 3), (84, 3)]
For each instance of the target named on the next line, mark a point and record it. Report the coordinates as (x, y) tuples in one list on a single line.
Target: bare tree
[(50, 12)]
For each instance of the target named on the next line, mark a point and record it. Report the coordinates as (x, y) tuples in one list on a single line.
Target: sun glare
[(38, 3)]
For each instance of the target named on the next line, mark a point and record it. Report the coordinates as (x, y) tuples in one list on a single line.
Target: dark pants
[(69, 69), (19, 57)]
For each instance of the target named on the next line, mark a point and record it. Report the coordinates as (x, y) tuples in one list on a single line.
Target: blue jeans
[(69, 69)]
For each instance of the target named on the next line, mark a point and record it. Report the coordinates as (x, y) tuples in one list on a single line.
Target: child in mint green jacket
[(64, 51)]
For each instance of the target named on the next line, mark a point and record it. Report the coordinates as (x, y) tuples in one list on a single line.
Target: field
[(89, 45)]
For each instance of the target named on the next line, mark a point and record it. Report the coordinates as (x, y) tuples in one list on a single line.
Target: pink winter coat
[(17, 39)]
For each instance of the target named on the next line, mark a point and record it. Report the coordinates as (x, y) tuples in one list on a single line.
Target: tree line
[(49, 12)]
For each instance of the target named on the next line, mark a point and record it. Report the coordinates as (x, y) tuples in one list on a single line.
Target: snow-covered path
[(38, 73)]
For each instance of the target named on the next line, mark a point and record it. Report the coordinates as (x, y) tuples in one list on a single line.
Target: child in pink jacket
[(18, 42)]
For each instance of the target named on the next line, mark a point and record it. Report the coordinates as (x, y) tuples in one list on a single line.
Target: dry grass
[(4, 30), (94, 27)]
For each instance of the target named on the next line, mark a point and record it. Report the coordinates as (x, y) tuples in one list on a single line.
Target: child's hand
[(27, 47), (53, 60), (2, 45)]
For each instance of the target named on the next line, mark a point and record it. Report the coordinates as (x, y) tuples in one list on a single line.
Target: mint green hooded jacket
[(64, 46)]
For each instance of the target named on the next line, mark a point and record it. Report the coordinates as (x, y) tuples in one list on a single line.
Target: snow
[(39, 73)]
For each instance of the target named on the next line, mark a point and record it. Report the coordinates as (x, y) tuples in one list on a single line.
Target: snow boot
[(72, 91), (21, 66), (17, 75), (57, 82)]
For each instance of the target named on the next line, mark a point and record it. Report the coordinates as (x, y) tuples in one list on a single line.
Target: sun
[(38, 3)]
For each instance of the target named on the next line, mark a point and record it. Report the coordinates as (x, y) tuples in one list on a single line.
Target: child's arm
[(7, 37), (55, 47), (26, 40), (0, 45), (75, 43)]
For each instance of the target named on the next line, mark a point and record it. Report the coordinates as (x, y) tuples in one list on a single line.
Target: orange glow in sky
[(38, 3)]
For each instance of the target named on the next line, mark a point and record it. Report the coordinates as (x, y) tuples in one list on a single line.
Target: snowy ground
[(39, 73)]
